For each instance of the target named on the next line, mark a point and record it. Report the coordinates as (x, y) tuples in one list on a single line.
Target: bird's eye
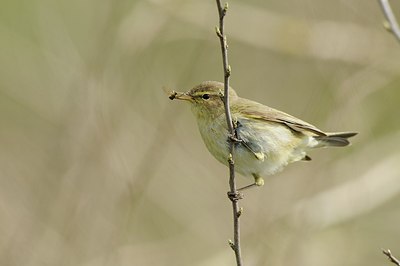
[(206, 96)]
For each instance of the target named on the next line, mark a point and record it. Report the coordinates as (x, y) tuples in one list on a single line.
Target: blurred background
[(99, 167)]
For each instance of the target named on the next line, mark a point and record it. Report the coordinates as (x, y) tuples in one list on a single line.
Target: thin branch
[(233, 194), (391, 23), (391, 257)]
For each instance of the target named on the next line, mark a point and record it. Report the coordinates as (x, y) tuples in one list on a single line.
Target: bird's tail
[(335, 139)]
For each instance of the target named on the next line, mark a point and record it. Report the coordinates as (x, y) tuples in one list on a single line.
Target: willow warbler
[(269, 139)]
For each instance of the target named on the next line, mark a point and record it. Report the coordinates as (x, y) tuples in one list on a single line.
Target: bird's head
[(206, 98)]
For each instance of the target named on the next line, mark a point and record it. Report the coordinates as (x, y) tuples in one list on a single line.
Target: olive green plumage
[(271, 139)]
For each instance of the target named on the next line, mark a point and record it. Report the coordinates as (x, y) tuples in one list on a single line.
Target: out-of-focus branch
[(391, 23), (318, 39), (392, 258), (233, 194)]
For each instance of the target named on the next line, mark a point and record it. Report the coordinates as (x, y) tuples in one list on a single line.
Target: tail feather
[(335, 139)]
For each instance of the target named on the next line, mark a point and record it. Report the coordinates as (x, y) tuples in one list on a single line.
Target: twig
[(391, 257), (233, 194), (391, 23)]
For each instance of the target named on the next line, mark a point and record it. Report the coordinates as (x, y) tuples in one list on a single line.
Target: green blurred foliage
[(99, 167)]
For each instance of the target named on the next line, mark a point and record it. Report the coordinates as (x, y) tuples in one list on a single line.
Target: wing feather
[(261, 112)]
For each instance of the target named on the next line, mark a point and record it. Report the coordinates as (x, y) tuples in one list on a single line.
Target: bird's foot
[(235, 196), (234, 139)]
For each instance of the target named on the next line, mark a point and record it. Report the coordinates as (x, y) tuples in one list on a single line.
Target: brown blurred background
[(99, 167)]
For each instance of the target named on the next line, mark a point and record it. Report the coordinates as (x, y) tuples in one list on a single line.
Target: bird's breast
[(214, 134)]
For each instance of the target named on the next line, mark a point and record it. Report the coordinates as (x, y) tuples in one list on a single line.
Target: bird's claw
[(233, 138), (235, 196)]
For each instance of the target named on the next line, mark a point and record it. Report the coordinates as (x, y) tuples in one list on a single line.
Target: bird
[(267, 139)]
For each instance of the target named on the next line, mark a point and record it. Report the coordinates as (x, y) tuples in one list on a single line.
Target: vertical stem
[(233, 193), (391, 18)]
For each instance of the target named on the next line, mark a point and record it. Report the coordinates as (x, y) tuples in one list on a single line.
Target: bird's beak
[(181, 96)]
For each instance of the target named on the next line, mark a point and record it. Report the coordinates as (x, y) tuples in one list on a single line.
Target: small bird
[(269, 139)]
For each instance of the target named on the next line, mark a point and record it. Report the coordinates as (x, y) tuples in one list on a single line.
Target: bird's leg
[(258, 182), (246, 187)]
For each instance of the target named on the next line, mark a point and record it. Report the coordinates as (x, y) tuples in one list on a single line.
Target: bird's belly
[(269, 148)]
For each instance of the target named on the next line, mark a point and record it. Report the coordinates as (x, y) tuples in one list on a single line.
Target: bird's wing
[(261, 112)]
